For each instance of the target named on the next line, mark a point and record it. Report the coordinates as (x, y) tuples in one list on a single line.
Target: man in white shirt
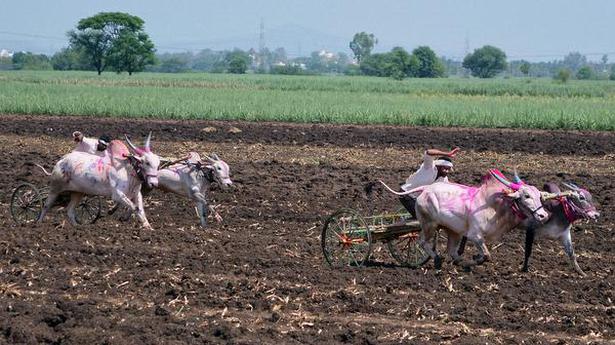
[(432, 170), (91, 145)]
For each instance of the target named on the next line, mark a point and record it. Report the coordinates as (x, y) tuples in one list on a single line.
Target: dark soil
[(259, 276)]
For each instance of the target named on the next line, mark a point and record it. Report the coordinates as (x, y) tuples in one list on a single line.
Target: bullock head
[(527, 197), (146, 162), (220, 169), (582, 201)]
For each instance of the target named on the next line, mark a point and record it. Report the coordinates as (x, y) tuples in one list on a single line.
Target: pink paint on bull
[(100, 165)]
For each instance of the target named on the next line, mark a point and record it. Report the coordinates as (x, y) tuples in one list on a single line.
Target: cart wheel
[(346, 239), (26, 203), (407, 251), (88, 211)]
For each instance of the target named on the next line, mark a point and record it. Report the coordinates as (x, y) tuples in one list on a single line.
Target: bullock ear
[(211, 167), (514, 194)]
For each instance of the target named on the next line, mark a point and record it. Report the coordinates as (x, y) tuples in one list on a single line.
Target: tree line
[(114, 41)]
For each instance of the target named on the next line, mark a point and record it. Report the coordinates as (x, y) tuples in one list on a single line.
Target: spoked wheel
[(88, 211), (407, 251), (346, 239), (26, 203)]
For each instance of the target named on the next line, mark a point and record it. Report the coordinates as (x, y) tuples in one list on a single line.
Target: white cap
[(443, 163)]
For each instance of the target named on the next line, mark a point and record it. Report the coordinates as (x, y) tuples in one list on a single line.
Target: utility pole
[(261, 45), (466, 51)]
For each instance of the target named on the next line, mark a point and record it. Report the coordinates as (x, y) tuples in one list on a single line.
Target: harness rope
[(571, 211)]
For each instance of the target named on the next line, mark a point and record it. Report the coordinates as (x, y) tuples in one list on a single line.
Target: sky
[(535, 30)]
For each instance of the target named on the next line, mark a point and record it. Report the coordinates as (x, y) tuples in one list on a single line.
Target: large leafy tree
[(362, 44), (131, 52), (102, 36), (429, 65), (485, 62)]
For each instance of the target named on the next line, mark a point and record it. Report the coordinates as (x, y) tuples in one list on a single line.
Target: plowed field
[(259, 276)]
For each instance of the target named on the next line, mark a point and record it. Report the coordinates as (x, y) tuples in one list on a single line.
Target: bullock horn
[(147, 142), (571, 186), (215, 156), (132, 146), (516, 177), (500, 177)]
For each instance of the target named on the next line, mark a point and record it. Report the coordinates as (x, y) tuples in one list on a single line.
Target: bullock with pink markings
[(118, 174), (482, 213)]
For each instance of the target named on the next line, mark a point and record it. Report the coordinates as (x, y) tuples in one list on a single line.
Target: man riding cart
[(431, 170)]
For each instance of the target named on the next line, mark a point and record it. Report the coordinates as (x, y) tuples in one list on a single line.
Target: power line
[(32, 35)]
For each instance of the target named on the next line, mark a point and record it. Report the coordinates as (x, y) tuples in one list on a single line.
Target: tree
[(362, 44), (70, 59), (397, 64), (562, 75), (525, 68), (429, 66), (31, 61), (485, 62), (574, 61), (612, 75), (131, 52), (105, 34), (237, 61), (585, 73), (173, 63), (6, 63), (210, 61)]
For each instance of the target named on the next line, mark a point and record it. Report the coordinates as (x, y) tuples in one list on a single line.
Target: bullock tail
[(415, 190), (45, 171)]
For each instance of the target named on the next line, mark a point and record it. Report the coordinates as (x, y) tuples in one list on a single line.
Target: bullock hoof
[(479, 259), (437, 262)]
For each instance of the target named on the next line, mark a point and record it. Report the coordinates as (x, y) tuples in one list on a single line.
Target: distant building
[(5, 53), (327, 55)]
